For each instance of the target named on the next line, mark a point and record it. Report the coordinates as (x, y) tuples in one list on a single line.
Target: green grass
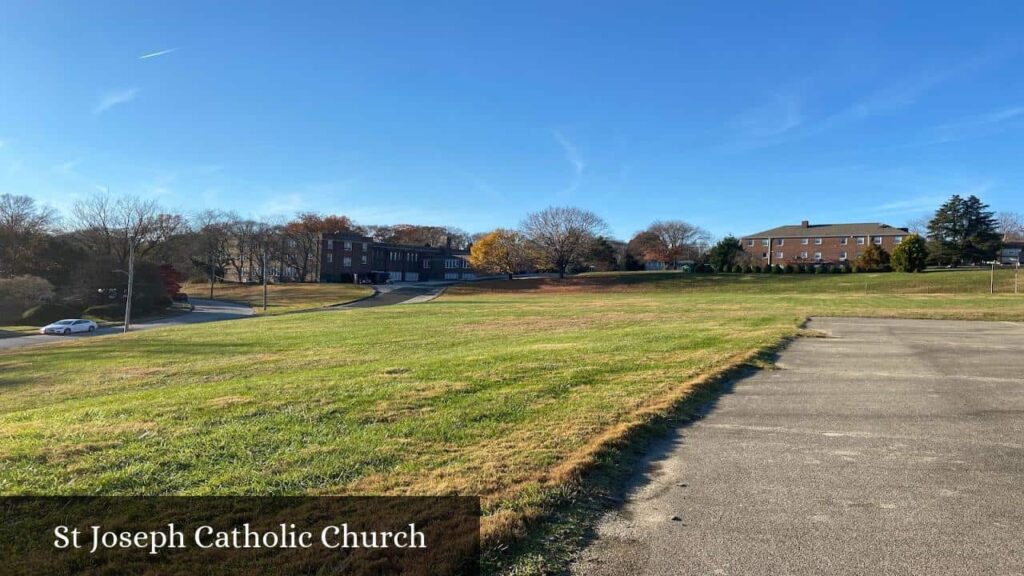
[(507, 390), (282, 298), (15, 331)]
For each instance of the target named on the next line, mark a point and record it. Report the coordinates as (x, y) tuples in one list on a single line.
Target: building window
[(426, 264), (366, 246), (330, 259), (842, 256), (804, 241), (817, 241), (750, 242), (330, 244), (780, 242), (860, 240), (346, 262), (348, 246), (878, 240), (817, 255), (411, 257), (363, 258), (780, 255), (803, 255), (897, 239), (843, 241), (764, 255), (764, 242)]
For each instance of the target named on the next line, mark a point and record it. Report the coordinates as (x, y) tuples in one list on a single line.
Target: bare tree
[(213, 248), (113, 226), (919, 226), (676, 240), (1011, 226), (562, 236), (23, 230)]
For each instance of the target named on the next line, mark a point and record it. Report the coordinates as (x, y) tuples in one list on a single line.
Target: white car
[(69, 326)]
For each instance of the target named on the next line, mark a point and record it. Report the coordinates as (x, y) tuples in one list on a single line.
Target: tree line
[(80, 261), (566, 239), (569, 239)]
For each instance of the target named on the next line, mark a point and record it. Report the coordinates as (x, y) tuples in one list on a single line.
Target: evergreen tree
[(963, 231), (723, 254)]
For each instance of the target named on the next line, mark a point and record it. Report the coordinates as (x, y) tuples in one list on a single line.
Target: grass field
[(281, 297), (14, 331), (501, 389)]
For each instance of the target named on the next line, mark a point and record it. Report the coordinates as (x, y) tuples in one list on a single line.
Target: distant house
[(808, 243), (1012, 252), (347, 257)]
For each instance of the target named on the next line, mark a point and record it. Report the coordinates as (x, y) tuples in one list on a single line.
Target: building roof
[(806, 230)]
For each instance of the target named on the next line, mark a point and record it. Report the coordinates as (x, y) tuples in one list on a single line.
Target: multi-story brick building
[(808, 243), (346, 257)]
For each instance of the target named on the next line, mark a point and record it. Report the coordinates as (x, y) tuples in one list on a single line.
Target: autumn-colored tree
[(500, 252), (670, 241), (873, 259)]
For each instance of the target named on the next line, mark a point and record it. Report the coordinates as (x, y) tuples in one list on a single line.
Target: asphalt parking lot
[(890, 447)]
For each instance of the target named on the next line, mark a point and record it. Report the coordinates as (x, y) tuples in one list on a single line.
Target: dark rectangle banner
[(226, 535)]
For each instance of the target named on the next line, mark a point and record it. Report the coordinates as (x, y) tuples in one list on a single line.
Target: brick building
[(346, 257), (808, 243)]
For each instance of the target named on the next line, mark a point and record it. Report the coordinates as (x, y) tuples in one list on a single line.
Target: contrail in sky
[(155, 54)]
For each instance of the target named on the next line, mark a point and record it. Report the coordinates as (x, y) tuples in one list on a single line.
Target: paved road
[(389, 294), (205, 311), (892, 447)]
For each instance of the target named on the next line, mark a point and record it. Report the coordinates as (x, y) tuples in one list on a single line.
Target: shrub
[(873, 259), (910, 255), (44, 314), (756, 269), (837, 269), (21, 292), (819, 269), (113, 311), (789, 269), (737, 269), (748, 269)]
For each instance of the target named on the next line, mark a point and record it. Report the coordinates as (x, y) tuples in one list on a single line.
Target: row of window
[(803, 256), (346, 261), (397, 256), (347, 245), (861, 240)]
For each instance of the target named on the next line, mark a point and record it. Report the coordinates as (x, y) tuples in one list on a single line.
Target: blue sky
[(737, 116)]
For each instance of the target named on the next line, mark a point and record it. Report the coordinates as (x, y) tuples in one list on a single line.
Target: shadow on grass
[(569, 519)]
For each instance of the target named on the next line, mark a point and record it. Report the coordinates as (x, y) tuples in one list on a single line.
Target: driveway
[(890, 447), (204, 311), (389, 294)]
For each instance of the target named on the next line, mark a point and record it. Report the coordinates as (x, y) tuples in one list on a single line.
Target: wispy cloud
[(575, 159), (68, 167), (973, 126), (768, 124), (155, 54), (112, 99)]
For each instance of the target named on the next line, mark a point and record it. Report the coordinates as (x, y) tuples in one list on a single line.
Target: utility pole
[(209, 260), (1016, 273), (264, 278), (992, 279), (131, 281)]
